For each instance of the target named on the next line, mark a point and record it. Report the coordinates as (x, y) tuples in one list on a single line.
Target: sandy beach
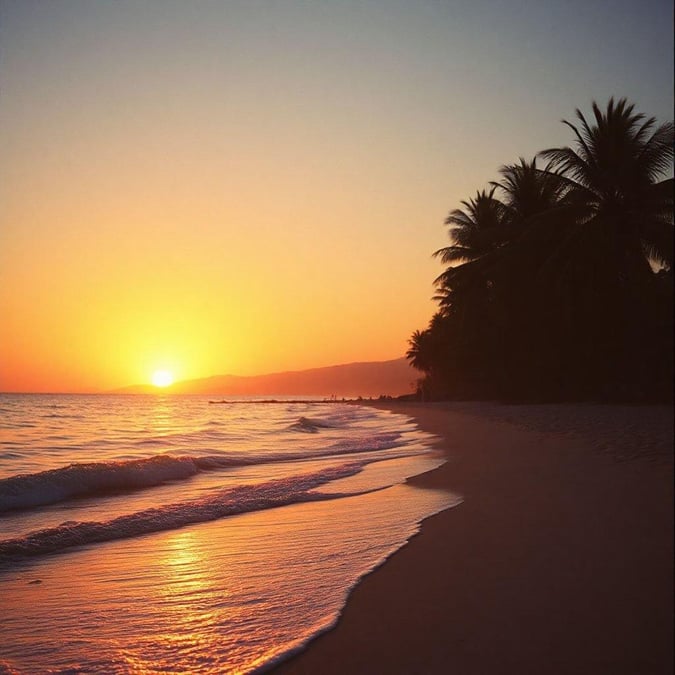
[(559, 560)]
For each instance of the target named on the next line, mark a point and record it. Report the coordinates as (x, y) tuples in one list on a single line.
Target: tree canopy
[(559, 278)]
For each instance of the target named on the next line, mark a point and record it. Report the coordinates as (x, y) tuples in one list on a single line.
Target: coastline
[(559, 560)]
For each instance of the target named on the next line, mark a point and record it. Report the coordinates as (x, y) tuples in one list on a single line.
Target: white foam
[(170, 516)]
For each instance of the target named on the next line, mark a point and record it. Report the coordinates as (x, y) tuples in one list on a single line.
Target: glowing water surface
[(229, 595)]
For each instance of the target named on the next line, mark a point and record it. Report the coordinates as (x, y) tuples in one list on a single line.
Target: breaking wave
[(310, 425), (95, 478), (227, 502)]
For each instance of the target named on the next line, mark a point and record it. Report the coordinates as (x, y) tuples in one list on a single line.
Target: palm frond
[(570, 164), (453, 254), (656, 156)]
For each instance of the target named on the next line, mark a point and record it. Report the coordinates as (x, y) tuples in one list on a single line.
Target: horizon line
[(154, 389)]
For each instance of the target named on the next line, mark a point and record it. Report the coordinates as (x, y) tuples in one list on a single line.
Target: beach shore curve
[(559, 560)]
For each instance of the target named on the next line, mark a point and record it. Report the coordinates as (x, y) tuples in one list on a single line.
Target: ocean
[(171, 534)]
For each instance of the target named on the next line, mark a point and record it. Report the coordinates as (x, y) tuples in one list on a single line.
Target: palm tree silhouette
[(559, 280), (419, 353), (529, 191), (496, 242), (475, 229), (613, 172)]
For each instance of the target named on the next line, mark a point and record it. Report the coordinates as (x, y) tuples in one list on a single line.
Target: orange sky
[(252, 187)]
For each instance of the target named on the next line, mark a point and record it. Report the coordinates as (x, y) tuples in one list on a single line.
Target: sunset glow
[(162, 378), (266, 198), (281, 281)]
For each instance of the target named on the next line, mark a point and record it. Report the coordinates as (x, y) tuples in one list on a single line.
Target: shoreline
[(559, 560)]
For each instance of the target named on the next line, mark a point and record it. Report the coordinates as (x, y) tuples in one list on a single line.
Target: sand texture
[(559, 560)]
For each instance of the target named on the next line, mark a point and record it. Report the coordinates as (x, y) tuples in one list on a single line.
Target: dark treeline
[(559, 278)]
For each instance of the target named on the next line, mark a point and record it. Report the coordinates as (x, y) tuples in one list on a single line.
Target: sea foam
[(95, 478), (223, 503)]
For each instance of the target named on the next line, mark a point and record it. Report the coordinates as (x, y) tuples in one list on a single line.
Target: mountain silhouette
[(373, 378)]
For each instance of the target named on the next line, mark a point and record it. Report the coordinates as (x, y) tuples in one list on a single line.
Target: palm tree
[(529, 191), (613, 174), (419, 353), (430, 351), (610, 306), (492, 256), (560, 279), (492, 238), (475, 229)]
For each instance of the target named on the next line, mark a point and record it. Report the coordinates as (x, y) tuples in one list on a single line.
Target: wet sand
[(559, 560)]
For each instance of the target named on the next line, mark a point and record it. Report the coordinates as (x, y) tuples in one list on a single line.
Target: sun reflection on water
[(188, 591), (224, 596), (161, 418)]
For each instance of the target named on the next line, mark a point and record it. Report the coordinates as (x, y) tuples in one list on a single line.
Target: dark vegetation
[(559, 278)]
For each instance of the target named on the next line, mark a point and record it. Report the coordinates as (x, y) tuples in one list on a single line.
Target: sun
[(162, 378)]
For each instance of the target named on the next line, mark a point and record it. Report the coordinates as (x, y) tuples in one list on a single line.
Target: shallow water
[(191, 537)]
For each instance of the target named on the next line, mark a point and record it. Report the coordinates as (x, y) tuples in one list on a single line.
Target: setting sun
[(162, 378)]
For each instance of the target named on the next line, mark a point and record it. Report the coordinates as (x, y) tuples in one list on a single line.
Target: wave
[(96, 478), (310, 425), (227, 502), (79, 480)]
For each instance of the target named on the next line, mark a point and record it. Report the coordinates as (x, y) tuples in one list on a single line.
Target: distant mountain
[(347, 380)]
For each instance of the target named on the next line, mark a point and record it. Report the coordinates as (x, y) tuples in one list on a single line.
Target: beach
[(559, 559)]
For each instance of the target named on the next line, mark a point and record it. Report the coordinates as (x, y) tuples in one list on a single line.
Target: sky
[(214, 186)]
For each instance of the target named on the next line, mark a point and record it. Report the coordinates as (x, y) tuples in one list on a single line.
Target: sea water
[(173, 534)]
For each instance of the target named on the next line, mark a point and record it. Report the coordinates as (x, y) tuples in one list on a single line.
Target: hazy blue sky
[(272, 174)]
